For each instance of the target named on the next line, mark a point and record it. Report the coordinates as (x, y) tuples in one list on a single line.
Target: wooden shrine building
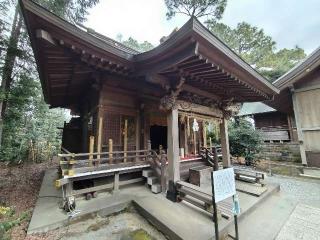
[(299, 98), (125, 98)]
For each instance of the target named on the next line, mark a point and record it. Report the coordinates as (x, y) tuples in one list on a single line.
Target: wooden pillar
[(84, 128), (110, 151), (290, 127), (91, 149), (116, 183), (299, 128), (99, 136), (146, 130), (173, 145), (84, 147), (186, 150), (204, 133), (125, 140), (138, 135), (225, 143)]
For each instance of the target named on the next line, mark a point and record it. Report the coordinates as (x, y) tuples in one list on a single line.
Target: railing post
[(125, 141), (149, 149), (215, 159), (163, 162), (91, 148), (110, 151), (99, 138)]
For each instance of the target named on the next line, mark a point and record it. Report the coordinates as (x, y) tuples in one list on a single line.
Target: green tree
[(281, 61), (23, 119), (257, 48), (244, 140), (196, 8), (71, 10), (134, 44), (251, 43)]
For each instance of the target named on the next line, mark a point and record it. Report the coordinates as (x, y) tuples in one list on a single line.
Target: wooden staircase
[(152, 180)]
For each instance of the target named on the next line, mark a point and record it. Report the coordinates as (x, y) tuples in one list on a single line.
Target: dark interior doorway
[(158, 136)]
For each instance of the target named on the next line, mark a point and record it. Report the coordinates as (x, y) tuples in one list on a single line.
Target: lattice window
[(114, 125), (112, 128)]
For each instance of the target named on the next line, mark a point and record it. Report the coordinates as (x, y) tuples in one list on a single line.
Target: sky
[(288, 22)]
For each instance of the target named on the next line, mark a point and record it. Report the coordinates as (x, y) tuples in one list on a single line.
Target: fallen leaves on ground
[(19, 188)]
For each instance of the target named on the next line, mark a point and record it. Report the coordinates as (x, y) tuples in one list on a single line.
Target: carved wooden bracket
[(168, 102), (231, 109)]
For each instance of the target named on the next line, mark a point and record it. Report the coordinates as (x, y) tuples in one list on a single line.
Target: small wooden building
[(275, 126), (126, 98), (300, 99)]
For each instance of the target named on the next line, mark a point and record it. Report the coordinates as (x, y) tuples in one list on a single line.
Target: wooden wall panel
[(312, 140), (309, 106)]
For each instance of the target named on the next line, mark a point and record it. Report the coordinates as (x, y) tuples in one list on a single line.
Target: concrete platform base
[(176, 220)]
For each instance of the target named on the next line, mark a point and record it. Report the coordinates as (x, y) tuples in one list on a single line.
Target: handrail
[(160, 167), (211, 157), (97, 153), (65, 150), (70, 163)]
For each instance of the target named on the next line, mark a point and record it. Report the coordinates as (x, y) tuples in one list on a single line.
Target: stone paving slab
[(303, 224), (250, 188)]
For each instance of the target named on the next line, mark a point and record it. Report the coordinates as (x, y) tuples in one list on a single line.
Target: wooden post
[(173, 145), (84, 127), (99, 137), (84, 133), (299, 128), (195, 142), (163, 162), (125, 140), (204, 133), (138, 135), (186, 150), (225, 143), (290, 127), (110, 151), (116, 182), (91, 149)]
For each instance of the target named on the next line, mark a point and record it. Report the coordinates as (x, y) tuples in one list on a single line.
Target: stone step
[(156, 188), (147, 173), (152, 180)]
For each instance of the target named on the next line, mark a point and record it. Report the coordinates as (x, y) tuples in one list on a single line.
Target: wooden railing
[(72, 163), (210, 156), (160, 166)]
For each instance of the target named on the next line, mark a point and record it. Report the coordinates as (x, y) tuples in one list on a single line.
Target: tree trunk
[(10, 58)]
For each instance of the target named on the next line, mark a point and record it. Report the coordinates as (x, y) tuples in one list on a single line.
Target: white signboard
[(224, 184)]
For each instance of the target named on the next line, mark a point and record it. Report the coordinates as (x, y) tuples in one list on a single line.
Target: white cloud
[(140, 19), (289, 22)]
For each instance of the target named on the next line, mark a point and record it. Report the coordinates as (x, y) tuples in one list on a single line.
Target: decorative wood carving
[(230, 109), (168, 102)]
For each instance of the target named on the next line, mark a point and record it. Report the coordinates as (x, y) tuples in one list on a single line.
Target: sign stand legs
[(236, 227), (215, 212)]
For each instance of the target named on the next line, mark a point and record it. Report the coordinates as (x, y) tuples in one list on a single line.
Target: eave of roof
[(193, 26), (299, 71), (106, 44), (187, 34), (255, 108)]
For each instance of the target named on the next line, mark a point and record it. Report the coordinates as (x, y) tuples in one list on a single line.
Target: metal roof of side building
[(254, 108)]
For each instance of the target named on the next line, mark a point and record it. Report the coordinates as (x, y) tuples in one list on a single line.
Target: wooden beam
[(197, 91), (44, 35)]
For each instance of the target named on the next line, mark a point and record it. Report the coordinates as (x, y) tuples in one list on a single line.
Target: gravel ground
[(301, 190)]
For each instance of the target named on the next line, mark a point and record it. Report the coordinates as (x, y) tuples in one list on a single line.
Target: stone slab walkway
[(303, 224)]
